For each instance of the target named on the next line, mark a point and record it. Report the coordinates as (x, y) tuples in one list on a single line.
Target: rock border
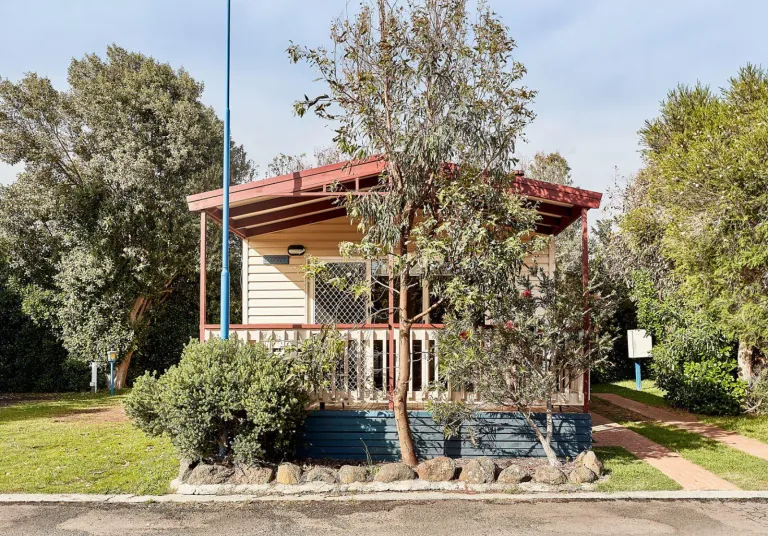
[(477, 475), (308, 488)]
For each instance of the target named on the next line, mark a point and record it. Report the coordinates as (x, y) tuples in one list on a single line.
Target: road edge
[(418, 496)]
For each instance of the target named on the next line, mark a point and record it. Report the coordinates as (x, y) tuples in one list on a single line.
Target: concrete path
[(388, 518), (606, 433), (688, 421)]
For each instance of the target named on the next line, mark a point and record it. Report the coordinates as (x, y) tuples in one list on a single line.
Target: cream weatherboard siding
[(279, 293)]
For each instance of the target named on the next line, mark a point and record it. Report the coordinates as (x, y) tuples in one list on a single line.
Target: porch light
[(296, 250)]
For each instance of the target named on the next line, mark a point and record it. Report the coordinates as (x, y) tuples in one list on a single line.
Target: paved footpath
[(390, 518), (690, 476), (688, 421)]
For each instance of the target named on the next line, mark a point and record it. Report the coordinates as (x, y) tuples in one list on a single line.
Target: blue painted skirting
[(348, 434)]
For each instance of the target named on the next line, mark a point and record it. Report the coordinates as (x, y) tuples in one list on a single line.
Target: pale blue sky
[(601, 67)]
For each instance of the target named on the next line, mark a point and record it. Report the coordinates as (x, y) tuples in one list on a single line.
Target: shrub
[(697, 368), (707, 387), (233, 401)]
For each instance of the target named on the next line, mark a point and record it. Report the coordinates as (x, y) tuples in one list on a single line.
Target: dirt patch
[(94, 415), (9, 399)]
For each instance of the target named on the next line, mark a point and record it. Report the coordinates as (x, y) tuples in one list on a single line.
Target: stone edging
[(275, 489)]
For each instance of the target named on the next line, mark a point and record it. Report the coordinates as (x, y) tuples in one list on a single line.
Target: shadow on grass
[(59, 406), (628, 473), (650, 397), (742, 469)]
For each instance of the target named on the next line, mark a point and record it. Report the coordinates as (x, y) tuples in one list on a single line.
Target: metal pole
[(203, 275), (225, 208), (638, 376)]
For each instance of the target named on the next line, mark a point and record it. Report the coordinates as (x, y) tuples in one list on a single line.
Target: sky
[(601, 68)]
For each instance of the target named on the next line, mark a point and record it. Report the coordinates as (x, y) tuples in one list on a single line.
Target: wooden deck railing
[(362, 376)]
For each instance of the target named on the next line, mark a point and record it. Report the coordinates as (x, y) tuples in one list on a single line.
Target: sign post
[(640, 346), (95, 376), (111, 357)]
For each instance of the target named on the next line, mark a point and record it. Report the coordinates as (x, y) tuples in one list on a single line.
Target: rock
[(479, 471), (392, 472), (252, 474), (546, 474), (352, 473), (322, 474), (185, 468), (288, 473), (581, 475), (440, 469), (513, 475), (209, 474), (589, 460)]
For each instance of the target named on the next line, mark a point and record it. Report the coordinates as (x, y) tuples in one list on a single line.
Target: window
[(335, 305)]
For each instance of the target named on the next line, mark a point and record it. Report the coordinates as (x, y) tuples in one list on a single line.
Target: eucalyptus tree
[(423, 85), (96, 224)]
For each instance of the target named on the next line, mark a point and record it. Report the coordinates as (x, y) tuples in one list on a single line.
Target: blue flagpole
[(225, 209)]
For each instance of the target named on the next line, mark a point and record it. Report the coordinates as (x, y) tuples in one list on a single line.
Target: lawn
[(754, 426), (628, 473), (746, 471), (80, 443), (650, 395)]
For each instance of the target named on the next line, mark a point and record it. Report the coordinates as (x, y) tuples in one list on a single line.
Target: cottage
[(284, 219)]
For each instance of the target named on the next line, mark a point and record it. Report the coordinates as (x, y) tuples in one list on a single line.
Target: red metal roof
[(301, 198)]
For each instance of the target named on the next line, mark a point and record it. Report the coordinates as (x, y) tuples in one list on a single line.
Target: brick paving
[(691, 477), (689, 422)]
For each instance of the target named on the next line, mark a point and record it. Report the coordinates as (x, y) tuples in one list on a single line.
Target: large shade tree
[(96, 224), (424, 84), (702, 202)]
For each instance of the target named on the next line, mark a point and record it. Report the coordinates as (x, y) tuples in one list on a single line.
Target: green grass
[(745, 471), (650, 395), (628, 473), (80, 443), (754, 426)]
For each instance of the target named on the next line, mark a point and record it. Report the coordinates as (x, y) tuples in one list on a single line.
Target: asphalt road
[(390, 518)]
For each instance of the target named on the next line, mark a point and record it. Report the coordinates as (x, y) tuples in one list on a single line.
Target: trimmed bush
[(698, 370), (233, 401)]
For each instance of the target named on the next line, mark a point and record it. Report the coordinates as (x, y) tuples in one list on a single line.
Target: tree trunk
[(544, 440), (407, 450), (121, 371), (745, 355), (136, 315)]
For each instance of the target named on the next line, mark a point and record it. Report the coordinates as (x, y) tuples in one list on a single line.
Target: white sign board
[(640, 344), (94, 375)]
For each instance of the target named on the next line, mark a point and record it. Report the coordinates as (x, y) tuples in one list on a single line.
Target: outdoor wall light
[(296, 250)]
